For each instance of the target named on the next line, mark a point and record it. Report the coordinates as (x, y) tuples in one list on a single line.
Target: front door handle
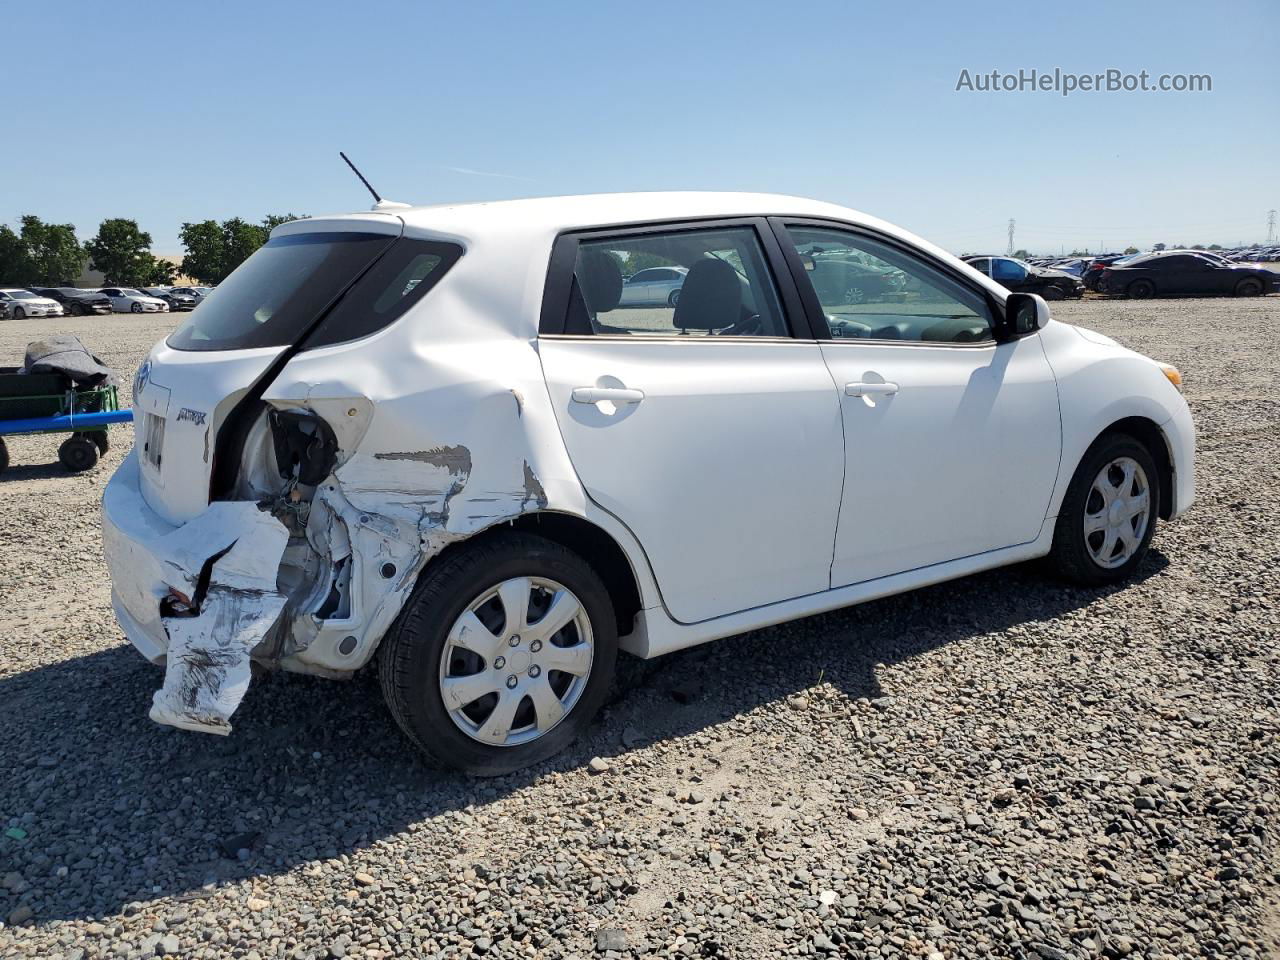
[(603, 394), (861, 389)]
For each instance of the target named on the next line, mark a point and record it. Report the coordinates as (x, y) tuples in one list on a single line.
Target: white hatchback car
[(24, 303), (129, 300), (436, 435)]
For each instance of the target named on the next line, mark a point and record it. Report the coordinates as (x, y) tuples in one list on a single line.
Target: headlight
[(1172, 375)]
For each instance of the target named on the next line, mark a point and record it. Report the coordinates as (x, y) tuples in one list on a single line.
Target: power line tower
[(1012, 223), (1271, 226)]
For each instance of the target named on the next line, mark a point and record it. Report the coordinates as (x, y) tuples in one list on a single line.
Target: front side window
[(874, 291), (274, 297), (690, 283)]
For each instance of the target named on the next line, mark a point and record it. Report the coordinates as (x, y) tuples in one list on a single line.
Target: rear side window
[(274, 297), (689, 283)]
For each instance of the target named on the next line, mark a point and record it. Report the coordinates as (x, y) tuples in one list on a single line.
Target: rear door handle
[(611, 394), (861, 389)]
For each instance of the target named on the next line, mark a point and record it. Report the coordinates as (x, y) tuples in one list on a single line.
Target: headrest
[(600, 279), (710, 298)]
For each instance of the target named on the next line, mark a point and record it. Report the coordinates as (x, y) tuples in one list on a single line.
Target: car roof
[(552, 215)]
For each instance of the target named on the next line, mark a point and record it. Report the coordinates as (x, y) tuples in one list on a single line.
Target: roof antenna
[(379, 203)]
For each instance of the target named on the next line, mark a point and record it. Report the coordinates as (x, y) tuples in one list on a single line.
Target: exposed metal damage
[(310, 569)]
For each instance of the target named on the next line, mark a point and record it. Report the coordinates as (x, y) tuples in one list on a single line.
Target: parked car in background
[(5, 312), (1093, 272), (129, 300), (75, 301), (195, 293), (335, 464), (172, 296), (1174, 273), (24, 303), (656, 285), (1022, 277)]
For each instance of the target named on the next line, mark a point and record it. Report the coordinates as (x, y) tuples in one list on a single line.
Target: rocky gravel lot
[(996, 767)]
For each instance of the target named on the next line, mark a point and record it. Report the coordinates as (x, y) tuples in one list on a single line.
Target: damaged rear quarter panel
[(461, 438)]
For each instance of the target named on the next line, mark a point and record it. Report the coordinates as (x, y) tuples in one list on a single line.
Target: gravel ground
[(996, 767)]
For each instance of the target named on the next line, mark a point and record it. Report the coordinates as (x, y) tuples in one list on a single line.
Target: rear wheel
[(1249, 287), (19, 313), (78, 454), (502, 656), (674, 298), (1108, 515), (1141, 290)]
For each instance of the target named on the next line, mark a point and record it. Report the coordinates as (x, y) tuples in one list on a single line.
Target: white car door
[(952, 440), (708, 429)]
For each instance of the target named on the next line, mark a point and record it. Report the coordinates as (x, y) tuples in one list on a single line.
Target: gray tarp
[(65, 354)]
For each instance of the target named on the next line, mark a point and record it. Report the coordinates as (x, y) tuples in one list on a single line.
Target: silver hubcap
[(1116, 512), (516, 661)]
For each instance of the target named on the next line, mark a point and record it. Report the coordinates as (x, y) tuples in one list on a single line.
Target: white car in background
[(24, 303), (438, 436), (129, 300)]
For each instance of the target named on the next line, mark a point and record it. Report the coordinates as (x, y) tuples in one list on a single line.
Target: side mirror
[(1024, 314)]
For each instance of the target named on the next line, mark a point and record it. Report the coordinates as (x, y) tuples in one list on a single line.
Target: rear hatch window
[(358, 282)]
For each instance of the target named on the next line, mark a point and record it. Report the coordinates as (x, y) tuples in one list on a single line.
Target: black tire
[(673, 298), (1054, 292), (76, 310), (100, 440), (410, 654), (1141, 290), (78, 454), (135, 307), (4, 456), (1070, 556), (19, 313), (1249, 287)]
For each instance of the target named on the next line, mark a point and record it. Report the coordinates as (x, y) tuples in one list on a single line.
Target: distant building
[(94, 278)]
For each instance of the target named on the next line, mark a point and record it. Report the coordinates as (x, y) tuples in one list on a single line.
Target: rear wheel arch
[(590, 542)]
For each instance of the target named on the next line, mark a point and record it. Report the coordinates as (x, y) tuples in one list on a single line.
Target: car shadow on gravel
[(103, 808)]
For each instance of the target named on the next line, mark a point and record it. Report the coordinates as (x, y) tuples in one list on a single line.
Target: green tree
[(203, 243), (1021, 254), (1130, 249), (162, 274), (15, 265), (54, 255), (273, 220), (1214, 246), (122, 252), (239, 241)]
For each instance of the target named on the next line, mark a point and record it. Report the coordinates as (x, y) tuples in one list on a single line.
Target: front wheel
[(502, 656), (135, 307), (75, 310), (1054, 292), (1249, 287), (674, 298), (1108, 515)]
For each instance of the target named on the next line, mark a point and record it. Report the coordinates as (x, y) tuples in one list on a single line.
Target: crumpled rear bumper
[(226, 560), (130, 530)]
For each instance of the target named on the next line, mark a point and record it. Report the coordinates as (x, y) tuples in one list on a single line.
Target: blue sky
[(167, 112)]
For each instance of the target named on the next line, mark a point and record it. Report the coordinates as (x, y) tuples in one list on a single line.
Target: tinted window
[(274, 297), (716, 284), (871, 290), (401, 278), (1002, 270)]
